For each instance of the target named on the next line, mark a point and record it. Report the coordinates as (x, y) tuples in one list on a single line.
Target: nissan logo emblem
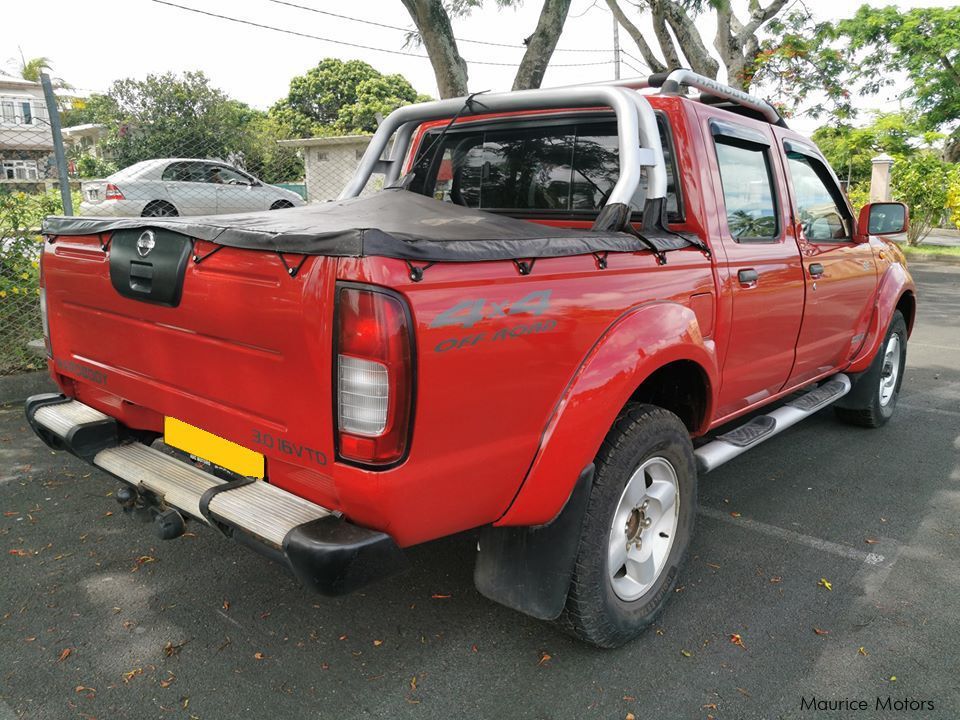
[(146, 242)]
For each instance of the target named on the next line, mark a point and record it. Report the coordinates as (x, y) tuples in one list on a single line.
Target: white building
[(26, 143), (330, 163)]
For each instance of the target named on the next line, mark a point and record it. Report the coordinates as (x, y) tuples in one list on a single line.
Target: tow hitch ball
[(168, 523)]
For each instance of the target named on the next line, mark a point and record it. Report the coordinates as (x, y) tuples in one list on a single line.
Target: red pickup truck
[(562, 307)]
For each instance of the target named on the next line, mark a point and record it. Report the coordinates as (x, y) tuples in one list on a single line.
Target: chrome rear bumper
[(325, 552)]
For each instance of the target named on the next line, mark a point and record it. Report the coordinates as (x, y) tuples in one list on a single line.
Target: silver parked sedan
[(181, 186)]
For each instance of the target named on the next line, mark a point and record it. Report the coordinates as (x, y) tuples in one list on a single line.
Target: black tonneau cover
[(392, 223)]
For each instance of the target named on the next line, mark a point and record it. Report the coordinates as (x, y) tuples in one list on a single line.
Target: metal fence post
[(54, 114)]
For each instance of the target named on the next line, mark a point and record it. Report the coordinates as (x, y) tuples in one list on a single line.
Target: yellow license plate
[(212, 448)]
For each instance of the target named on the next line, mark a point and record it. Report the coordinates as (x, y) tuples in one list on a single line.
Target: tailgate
[(233, 344)]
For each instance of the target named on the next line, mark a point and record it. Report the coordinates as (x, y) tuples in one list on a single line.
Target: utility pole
[(616, 49), (53, 113)]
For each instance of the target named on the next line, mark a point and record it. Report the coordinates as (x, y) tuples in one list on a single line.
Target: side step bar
[(763, 427), (324, 551)]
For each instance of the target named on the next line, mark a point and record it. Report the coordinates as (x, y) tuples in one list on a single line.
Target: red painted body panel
[(510, 407)]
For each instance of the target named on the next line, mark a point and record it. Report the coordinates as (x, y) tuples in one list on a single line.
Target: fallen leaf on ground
[(743, 692), (169, 681), (734, 514), (20, 552), (686, 653), (544, 658), (259, 656), (324, 666), (226, 605), (871, 541), (818, 631), (630, 716), (64, 654), (439, 596), (473, 648), (131, 674), (893, 678), (709, 706), (413, 683), (629, 698), (737, 640), (776, 580), (713, 565), (377, 643), (826, 584), (862, 651), (170, 649), (83, 689), (342, 637)]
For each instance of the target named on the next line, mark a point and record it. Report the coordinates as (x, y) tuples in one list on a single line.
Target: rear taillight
[(112, 192), (374, 373)]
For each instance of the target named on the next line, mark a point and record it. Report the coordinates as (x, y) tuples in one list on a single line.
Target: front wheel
[(878, 389), (636, 530)]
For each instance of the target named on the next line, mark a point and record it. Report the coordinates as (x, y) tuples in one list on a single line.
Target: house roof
[(9, 81), (328, 141)]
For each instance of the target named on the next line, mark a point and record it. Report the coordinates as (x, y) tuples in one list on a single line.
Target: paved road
[(199, 627)]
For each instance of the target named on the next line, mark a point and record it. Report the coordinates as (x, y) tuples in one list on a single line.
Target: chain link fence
[(149, 161)]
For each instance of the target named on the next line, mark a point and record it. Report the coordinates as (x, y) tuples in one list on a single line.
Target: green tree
[(850, 149), (923, 44), (31, 69), (924, 183), (339, 97)]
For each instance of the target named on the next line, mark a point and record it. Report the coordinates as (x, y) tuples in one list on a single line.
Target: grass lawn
[(920, 251)]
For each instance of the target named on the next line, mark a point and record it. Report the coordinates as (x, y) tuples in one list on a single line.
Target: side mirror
[(883, 218)]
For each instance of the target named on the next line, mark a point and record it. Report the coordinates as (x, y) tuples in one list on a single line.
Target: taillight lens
[(113, 192), (374, 376)]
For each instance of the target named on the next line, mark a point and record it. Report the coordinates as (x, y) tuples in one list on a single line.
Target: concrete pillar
[(880, 178)]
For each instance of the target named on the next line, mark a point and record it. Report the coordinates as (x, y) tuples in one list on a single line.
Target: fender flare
[(895, 283), (642, 340)]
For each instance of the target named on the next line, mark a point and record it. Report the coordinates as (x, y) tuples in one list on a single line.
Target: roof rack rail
[(669, 83)]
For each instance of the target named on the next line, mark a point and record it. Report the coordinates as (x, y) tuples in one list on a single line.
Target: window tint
[(747, 190), (184, 172), (819, 214), (568, 167)]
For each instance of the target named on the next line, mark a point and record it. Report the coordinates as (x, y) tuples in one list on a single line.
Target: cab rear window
[(567, 168)]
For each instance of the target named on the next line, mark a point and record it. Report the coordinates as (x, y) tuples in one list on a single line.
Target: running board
[(763, 427)]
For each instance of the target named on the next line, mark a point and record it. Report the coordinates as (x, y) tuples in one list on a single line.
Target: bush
[(20, 245), (922, 182)]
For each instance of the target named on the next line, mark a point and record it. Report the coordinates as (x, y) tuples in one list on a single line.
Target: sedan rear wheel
[(159, 208)]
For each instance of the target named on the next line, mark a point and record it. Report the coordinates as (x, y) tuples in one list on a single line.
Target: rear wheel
[(636, 530), (880, 384), (159, 208), (281, 204)]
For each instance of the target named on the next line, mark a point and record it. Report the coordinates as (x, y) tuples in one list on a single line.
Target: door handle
[(816, 270), (748, 277)]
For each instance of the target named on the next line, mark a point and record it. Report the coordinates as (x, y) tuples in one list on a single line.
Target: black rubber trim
[(334, 557), (87, 439), (529, 568), (751, 432), (213, 492)]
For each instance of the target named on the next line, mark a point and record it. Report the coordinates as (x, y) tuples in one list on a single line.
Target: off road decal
[(288, 448), (468, 313), (71, 366)]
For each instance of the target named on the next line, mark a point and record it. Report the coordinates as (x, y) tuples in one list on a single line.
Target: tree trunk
[(652, 61), (664, 40), (697, 54), (541, 44), (435, 30)]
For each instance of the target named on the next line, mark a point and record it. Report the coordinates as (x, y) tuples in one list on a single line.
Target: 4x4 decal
[(468, 313)]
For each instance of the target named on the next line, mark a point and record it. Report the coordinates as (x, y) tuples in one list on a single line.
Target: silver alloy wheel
[(891, 370), (643, 529)]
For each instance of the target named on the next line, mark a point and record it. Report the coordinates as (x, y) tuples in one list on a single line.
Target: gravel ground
[(98, 619)]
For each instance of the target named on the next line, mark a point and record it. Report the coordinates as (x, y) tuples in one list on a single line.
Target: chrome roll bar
[(671, 86), (639, 139)]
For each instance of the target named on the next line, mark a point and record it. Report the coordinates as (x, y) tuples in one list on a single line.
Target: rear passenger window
[(569, 168), (748, 193)]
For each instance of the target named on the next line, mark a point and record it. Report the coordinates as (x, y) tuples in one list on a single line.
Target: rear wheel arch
[(680, 386), (159, 208)]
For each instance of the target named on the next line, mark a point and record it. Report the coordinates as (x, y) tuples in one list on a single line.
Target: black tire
[(594, 612), (159, 208), (281, 204), (864, 405)]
